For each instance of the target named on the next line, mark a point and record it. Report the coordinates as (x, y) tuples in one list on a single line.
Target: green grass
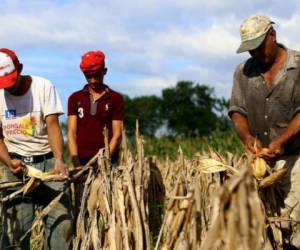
[(163, 146)]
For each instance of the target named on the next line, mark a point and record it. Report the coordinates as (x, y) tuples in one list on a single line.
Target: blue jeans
[(20, 212)]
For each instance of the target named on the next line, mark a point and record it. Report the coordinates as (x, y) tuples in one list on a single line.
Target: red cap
[(9, 65), (92, 61)]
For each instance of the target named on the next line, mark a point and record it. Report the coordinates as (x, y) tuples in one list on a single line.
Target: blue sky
[(149, 44)]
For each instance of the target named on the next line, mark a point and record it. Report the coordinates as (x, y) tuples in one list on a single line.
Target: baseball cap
[(92, 61), (253, 31), (9, 65)]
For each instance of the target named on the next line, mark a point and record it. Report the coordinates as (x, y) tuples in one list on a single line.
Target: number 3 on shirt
[(80, 112)]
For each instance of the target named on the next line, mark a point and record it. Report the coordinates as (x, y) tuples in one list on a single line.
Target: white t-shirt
[(23, 117)]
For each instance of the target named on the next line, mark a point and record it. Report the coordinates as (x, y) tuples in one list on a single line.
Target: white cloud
[(212, 42), (151, 43), (147, 86)]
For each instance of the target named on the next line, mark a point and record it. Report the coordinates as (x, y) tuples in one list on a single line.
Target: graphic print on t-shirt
[(10, 113), (27, 126), (80, 112)]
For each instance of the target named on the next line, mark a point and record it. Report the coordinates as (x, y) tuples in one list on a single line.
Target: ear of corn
[(40, 175), (264, 151), (259, 167), (274, 177), (35, 173)]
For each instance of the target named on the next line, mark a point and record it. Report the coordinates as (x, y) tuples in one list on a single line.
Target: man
[(90, 110), (30, 134), (265, 105)]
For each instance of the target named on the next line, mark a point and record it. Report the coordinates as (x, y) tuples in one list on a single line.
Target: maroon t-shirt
[(92, 117)]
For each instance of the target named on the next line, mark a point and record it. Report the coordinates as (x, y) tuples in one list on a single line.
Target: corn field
[(211, 201)]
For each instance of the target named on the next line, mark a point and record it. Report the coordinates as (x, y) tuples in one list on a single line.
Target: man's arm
[(4, 156), (56, 142), (276, 147), (243, 130), (72, 131), (14, 165), (238, 111), (117, 127)]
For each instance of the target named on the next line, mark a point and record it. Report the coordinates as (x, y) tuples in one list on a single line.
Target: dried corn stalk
[(238, 221), (114, 209)]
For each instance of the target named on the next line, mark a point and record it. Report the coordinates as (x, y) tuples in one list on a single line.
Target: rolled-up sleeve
[(237, 100)]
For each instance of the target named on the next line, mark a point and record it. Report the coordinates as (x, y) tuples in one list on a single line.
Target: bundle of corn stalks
[(114, 211), (238, 220), (186, 217), (191, 186)]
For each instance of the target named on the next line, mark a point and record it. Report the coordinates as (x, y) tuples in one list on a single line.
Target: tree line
[(186, 110)]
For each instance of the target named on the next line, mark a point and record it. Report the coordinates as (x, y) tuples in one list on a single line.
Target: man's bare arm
[(117, 127), (276, 147), (56, 142), (243, 130), (72, 144)]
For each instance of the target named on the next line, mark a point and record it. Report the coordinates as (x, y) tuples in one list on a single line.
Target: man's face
[(265, 53), (95, 78)]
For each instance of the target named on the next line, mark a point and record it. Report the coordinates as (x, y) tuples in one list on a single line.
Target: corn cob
[(259, 167)]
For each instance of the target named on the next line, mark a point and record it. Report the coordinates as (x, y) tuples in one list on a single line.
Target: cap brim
[(251, 44), (8, 80)]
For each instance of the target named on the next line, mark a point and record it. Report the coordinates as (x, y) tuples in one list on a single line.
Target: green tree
[(221, 108), (188, 109), (146, 109)]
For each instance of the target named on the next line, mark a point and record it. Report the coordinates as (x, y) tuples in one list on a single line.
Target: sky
[(149, 44)]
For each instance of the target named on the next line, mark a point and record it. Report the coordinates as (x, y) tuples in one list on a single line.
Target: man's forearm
[(55, 136), (292, 130), (72, 140), (74, 156), (117, 127), (4, 156), (113, 144), (241, 126), (73, 150)]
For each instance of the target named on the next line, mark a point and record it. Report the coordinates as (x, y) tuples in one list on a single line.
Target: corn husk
[(36, 173), (30, 185), (274, 177), (209, 166), (43, 176)]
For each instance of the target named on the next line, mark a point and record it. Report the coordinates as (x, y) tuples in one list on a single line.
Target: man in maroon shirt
[(90, 110)]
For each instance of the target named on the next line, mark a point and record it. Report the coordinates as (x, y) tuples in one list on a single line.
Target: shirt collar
[(290, 63), (86, 91)]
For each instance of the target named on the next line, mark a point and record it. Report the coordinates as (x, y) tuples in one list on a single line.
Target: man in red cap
[(30, 134), (90, 110)]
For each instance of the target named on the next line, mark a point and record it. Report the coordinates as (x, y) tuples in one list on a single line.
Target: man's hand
[(252, 144), (276, 149), (61, 168), (242, 128), (75, 161), (16, 167)]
